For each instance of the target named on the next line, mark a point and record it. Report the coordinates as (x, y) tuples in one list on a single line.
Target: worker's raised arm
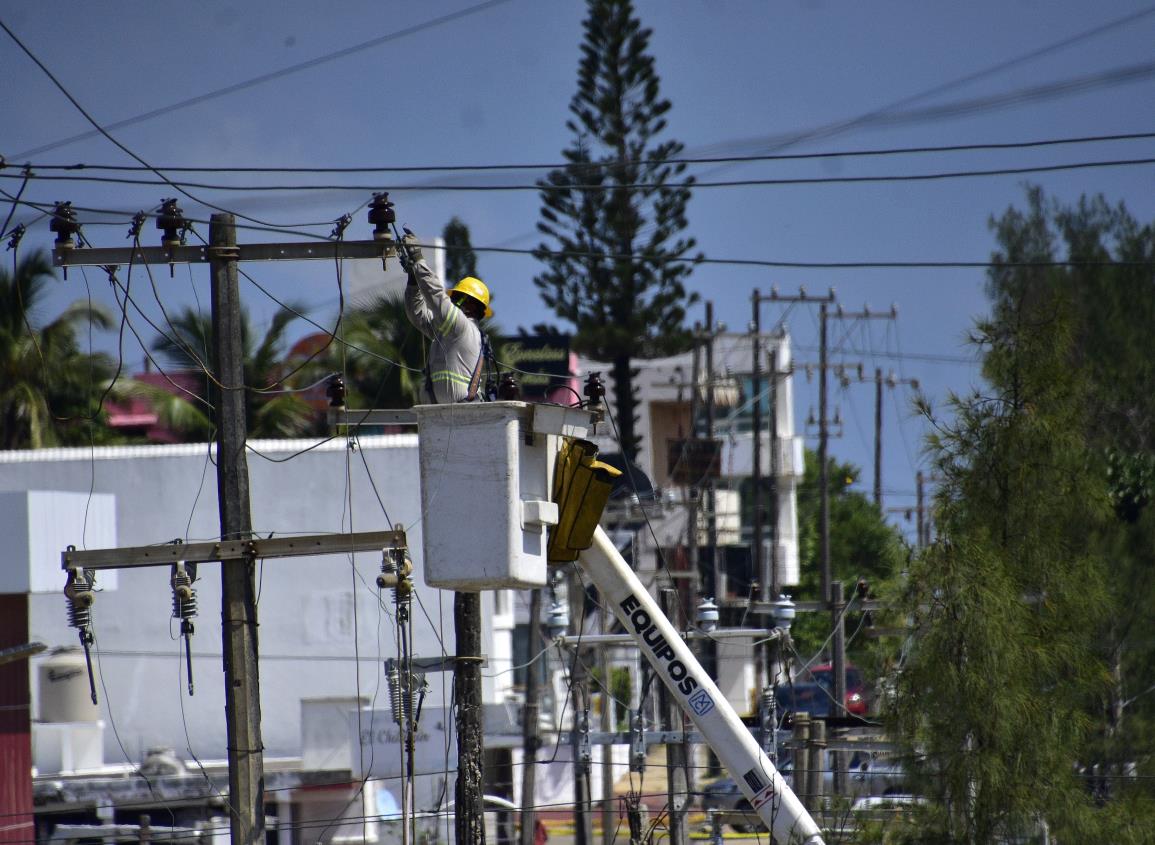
[(427, 302), (421, 292)]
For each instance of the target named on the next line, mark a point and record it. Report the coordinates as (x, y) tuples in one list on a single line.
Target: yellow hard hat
[(476, 289)]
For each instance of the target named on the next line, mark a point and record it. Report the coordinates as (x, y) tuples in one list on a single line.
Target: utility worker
[(458, 350)]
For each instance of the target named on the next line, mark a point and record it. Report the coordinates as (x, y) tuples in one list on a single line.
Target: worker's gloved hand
[(410, 250)]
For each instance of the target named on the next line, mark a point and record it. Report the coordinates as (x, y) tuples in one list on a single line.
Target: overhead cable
[(545, 187), (595, 166), (265, 77)]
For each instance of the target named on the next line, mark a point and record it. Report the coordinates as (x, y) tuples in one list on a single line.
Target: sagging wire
[(696, 260), (338, 236), (123, 305), (595, 166), (347, 513), (27, 173), (123, 148), (544, 186)]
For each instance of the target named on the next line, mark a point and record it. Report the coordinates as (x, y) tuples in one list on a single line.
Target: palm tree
[(381, 356), (50, 390), (269, 410)]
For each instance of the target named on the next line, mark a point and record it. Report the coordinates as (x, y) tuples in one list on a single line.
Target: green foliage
[(460, 259), (616, 261), (621, 686), (1026, 612), (384, 360), (188, 345), (50, 390), (1130, 478), (862, 548)]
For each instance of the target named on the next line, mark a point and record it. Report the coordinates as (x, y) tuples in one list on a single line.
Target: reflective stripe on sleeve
[(449, 322)]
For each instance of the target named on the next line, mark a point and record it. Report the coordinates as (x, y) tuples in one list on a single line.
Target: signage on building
[(542, 364), (377, 743)]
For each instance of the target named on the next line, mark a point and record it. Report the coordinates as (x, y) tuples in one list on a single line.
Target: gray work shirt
[(455, 364)]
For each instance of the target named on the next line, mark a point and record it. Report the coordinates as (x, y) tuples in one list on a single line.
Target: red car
[(856, 699)]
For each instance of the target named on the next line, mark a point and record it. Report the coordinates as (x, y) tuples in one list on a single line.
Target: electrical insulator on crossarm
[(383, 218), (66, 227), (78, 591), (184, 608)]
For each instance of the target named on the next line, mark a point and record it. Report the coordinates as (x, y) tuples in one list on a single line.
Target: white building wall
[(323, 633)]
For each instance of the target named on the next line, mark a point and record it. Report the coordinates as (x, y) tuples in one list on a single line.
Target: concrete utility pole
[(673, 719), (833, 590), (469, 808), (867, 314), (823, 470), (692, 491), (607, 808), (919, 481), (711, 485), (770, 589), (531, 741), (920, 512), (878, 437), (238, 595), (756, 432), (838, 605), (709, 647), (238, 607), (823, 303), (890, 380), (583, 817)]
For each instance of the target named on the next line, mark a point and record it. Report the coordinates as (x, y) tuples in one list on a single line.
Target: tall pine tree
[(616, 258), (460, 259)]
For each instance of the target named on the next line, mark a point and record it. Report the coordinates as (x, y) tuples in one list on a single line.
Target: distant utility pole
[(711, 485), (920, 512), (835, 596), (709, 647), (923, 521), (823, 427), (759, 569), (867, 314), (892, 381), (692, 495)]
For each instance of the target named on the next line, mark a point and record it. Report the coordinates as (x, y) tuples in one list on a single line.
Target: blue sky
[(493, 87)]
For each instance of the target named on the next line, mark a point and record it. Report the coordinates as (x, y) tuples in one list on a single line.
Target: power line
[(729, 262), (911, 356), (265, 77), (779, 141), (598, 166), (879, 115), (543, 187), (101, 130)]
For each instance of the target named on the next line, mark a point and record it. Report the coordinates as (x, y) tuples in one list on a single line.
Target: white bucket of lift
[(486, 471)]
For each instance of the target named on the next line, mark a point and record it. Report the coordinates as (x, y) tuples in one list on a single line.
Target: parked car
[(869, 776), (724, 794), (877, 775), (813, 692)]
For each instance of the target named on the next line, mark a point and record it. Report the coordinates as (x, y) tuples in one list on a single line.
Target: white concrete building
[(324, 629)]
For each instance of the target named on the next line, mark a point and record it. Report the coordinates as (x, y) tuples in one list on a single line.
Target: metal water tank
[(64, 693)]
